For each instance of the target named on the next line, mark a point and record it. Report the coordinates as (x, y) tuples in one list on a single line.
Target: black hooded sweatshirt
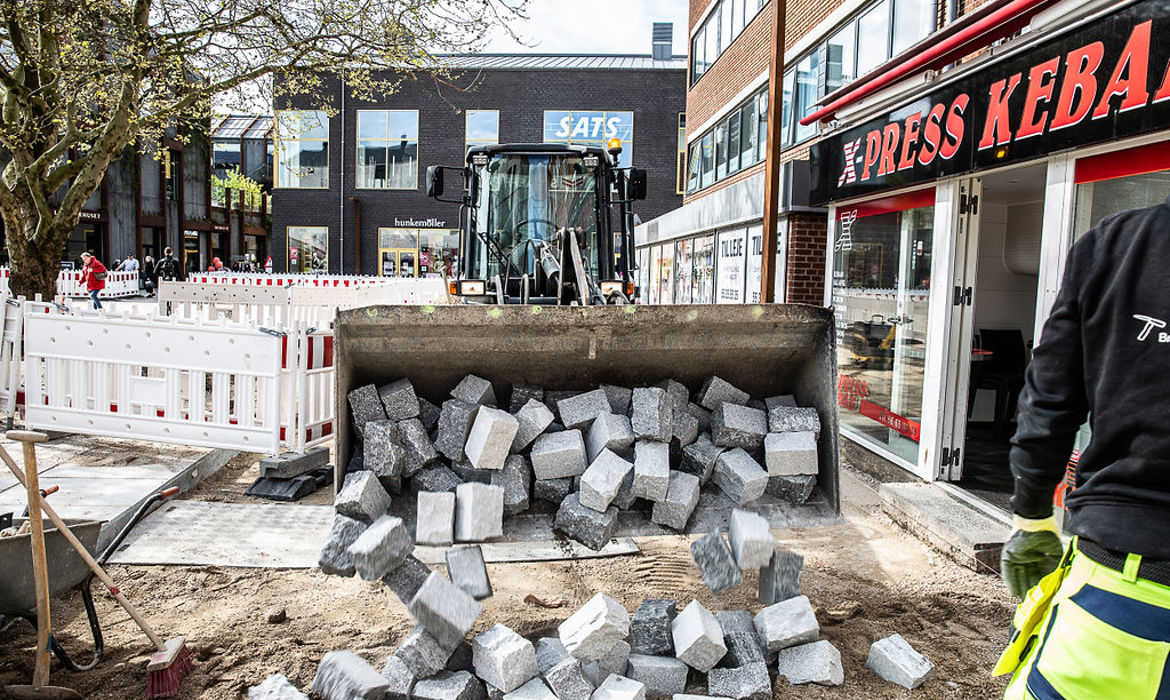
[(1105, 354)]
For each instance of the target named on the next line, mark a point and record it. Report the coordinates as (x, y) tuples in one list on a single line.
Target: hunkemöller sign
[(1107, 79)]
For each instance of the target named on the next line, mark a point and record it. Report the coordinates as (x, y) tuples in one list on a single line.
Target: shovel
[(40, 688)]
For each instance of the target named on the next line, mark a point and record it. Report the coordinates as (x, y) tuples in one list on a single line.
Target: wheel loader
[(544, 224)]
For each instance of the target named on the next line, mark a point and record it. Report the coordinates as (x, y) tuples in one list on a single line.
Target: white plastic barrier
[(282, 306), (69, 284), (308, 375), (263, 279)]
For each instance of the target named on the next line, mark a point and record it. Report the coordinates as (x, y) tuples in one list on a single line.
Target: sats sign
[(1107, 80)]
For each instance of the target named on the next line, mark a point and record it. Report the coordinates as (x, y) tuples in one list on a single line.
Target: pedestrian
[(1098, 623), (93, 274), (130, 264), (167, 268), (148, 280)]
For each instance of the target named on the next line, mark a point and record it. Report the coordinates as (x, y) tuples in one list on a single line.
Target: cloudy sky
[(595, 26)]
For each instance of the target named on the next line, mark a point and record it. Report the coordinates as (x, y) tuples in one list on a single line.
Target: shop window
[(438, 252), (666, 273), (387, 149), (302, 149), (702, 270), (682, 272), (308, 249), (591, 128), (482, 128), (654, 288), (881, 296), (1115, 182), (680, 180)]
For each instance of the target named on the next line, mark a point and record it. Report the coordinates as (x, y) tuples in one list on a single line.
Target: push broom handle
[(82, 551)]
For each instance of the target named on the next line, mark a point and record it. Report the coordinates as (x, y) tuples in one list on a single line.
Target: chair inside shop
[(1003, 372)]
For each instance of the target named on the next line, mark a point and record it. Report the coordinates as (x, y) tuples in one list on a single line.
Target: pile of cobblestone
[(590, 454)]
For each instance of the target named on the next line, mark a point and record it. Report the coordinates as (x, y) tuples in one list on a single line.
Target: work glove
[(1033, 552)]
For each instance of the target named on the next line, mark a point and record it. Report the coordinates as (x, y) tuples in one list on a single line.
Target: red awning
[(961, 38)]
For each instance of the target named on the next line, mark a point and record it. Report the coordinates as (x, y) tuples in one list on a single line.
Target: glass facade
[(708, 268), (882, 295), (723, 24), (302, 149), (413, 252), (734, 143), (387, 149), (308, 249)]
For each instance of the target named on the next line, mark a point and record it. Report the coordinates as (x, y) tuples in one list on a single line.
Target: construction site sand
[(866, 578)]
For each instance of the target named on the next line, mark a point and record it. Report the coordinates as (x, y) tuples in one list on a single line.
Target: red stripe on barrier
[(328, 360)]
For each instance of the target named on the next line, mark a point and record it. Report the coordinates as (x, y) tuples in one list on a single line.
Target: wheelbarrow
[(66, 570)]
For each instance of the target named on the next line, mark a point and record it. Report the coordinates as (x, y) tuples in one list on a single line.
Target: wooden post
[(37, 540), (772, 154)]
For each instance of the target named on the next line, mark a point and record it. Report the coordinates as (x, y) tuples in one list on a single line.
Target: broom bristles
[(167, 669)]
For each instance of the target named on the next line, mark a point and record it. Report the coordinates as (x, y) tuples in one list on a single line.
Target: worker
[(1098, 623)]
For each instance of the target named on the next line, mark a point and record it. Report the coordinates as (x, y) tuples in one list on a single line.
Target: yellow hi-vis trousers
[(1106, 635)]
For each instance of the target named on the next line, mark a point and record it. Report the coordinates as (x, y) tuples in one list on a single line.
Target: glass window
[(708, 174), (654, 289), (721, 150), (308, 249), (666, 273), (303, 149), (681, 176), (881, 294), (913, 21), (841, 62), (786, 107), (482, 127), (711, 31), (750, 127), (694, 165), (736, 16), (874, 29), (806, 94), (703, 269), (1097, 200), (682, 274), (225, 157), (733, 145), (725, 36), (697, 67), (762, 121), (387, 149)]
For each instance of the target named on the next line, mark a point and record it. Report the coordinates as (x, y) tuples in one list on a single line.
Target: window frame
[(468, 143), (278, 140), (359, 139), (713, 23)]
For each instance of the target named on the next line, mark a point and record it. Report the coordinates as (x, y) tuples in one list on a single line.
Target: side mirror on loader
[(435, 181), (637, 184)]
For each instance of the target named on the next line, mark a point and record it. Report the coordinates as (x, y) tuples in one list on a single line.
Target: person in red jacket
[(93, 274)]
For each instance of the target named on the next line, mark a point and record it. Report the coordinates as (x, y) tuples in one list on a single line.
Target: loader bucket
[(763, 349)]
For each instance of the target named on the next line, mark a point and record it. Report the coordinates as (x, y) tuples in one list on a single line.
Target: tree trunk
[(35, 263)]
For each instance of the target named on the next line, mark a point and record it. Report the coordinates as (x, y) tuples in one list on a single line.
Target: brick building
[(349, 191), (951, 153)]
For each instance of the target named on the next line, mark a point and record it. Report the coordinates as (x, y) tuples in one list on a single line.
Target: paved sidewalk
[(105, 478)]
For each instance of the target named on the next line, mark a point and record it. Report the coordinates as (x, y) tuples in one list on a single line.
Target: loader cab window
[(524, 200)]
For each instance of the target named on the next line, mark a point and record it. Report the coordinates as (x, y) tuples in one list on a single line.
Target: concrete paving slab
[(961, 532), (191, 533)]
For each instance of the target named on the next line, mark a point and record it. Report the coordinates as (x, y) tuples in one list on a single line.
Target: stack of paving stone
[(601, 653), (590, 454)]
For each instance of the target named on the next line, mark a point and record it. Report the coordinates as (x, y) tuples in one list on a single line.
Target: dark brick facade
[(655, 96)]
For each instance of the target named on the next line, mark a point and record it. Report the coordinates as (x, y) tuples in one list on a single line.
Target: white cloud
[(593, 27)]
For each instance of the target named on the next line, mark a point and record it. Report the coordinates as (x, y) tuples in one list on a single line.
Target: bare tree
[(82, 81)]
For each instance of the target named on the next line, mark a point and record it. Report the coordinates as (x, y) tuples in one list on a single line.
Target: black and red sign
[(1105, 80)]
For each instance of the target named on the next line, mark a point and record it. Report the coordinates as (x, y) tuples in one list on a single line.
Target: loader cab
[(543, 224)]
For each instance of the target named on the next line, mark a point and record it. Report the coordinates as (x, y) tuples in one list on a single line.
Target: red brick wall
[(805, 271)]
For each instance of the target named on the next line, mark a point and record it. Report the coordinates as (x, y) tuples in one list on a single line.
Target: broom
[(171, 661)]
